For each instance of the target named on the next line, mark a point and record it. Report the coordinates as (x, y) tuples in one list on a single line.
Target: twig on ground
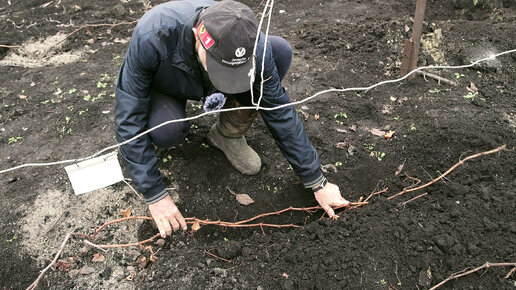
[(217, 257), (35, 283), (438, 78), (126, 245), (412, 199), (10, 46), (90, 244), (466, 272), (449, 170), (95, 25), (134, 190)]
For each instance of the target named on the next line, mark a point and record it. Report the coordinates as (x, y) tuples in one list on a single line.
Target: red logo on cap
[(205, 37)]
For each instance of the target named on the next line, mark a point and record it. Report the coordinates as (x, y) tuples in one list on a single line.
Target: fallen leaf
[(325, 168), (351, 150), (389, 134), (244, 199), (402, 100), (305, 115), (62, 265), (386, 109), (407, 28), (400, 168), (393, 98), (342, 145), (377, 132), (285, 275), (160, 242), (472, 88), (98, 258), (316, 117), (125, 213), (196, 226), (90, 41), (87, 270), (22, 96), (353, 128), (121, 40), (340, 130)]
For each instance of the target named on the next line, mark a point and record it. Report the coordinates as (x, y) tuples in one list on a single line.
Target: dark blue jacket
[(161, 56)]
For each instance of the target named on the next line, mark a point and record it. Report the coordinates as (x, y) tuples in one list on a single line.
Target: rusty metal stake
[(411, 50)]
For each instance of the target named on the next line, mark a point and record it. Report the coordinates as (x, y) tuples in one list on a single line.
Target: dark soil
[(466, 219)]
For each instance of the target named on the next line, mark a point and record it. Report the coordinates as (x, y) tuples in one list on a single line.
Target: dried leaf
[(316, 117), (304, 114), (160, 242), (22, 96), (98, 258), (325, 168), (342, 145), (62, 265), (353, 128), (90, 41), (387, 109), (285, 275), (87, 270), (125, 213), (340, 130), (351, 150), (244, 199), (472, 88), (429, 273), (377, 132), (400, 168), (402, 100), (393, 98), (389, 134), (196, 226), (407, 28)]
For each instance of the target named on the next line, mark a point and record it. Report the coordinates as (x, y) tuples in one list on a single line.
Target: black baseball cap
[(227, 30)]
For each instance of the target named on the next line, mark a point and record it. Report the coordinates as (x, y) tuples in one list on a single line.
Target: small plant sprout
[(434, 91), (383, 282), (475, 2), (338, 163), (14, 139), (81, 112), (205, 145), (87, 98), (396, 118), (11, 239), (470, 95), (413, 127), (167, 159), (68, 119), (340, 115), (104, 77), (101, 84), (71, 91), (368, 146), (458, 75)]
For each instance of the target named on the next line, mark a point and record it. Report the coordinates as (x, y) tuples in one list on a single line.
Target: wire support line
[(492, 57), (263, 56), (252, 72)]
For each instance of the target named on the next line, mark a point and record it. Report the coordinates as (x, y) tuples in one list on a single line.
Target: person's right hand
[(166, 215)]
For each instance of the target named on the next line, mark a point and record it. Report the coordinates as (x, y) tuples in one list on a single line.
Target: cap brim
[(230, 80)]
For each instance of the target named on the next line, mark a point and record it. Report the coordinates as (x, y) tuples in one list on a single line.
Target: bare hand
[(329, 197), (166, 215)]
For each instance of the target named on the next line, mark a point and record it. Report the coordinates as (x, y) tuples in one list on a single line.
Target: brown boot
[(228, 135)]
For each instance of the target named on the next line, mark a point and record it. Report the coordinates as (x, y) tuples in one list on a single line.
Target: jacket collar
[(185, 57)]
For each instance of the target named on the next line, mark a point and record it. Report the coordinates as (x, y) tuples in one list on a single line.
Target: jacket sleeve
[(286, 127), (131, 117)]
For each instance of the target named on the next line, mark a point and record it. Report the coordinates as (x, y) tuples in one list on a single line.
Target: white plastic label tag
[(94, 173)]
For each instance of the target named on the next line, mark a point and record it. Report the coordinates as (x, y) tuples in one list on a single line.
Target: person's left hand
[(329, 197)]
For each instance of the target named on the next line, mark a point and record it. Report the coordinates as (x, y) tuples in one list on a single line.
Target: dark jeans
[(164, 108)]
